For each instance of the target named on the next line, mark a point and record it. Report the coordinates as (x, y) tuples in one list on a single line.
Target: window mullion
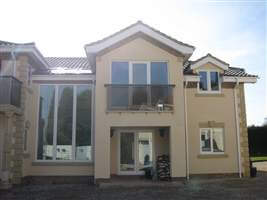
[(208, 79), (130, 73), (74, 122), (211, 138), (148, 73), (219, 81), (55, 124)]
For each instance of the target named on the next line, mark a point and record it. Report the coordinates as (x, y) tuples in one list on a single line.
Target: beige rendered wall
[(214, 109), (138, 50), (30, 169)]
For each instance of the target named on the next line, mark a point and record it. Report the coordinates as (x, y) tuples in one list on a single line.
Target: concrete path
[(261, 166)]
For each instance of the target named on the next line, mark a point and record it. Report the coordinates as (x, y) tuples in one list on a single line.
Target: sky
[(232, 30)]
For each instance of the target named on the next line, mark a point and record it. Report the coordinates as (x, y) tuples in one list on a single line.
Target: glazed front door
[(127, 152), (135, 152)]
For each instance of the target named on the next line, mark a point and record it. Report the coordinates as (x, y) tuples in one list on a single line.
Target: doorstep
[(137, 181)]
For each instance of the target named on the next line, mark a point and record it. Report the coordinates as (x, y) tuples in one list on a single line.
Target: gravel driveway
[(227, 188)]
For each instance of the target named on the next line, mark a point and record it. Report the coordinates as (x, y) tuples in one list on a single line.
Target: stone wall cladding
[(243, 132), (17, 136)]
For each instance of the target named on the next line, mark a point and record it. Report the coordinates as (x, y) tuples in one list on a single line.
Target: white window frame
[(130, 65), (211, 142), (209, 82), (73, 125), (136, 132)]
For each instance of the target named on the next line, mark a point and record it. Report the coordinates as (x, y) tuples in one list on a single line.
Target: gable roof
[(141, 23), (139, 27), (231, 71), (209, 58), (29, 49)]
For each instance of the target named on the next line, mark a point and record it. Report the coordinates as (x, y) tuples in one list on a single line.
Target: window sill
[(211, 155), (64, 163), (209, 94), (137, 111)]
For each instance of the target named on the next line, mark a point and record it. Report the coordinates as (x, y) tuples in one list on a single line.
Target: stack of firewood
[(163, 168)]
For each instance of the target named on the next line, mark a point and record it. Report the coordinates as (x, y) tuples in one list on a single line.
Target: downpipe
[(237, 129)]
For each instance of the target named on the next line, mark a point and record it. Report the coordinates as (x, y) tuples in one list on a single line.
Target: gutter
[(237, 129), (93, 126), (14, 62), (186, 133)]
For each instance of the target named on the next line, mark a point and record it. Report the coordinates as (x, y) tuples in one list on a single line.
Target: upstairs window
[(209, 81), (159, 73), (138, 84), (203, 84), (139, 72), (120, 73)]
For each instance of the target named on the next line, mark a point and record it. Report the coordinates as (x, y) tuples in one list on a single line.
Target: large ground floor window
[(64, 131)]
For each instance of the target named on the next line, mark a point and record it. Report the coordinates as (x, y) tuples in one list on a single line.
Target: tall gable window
[(139, 73), (120, 72), (64, 131), (209, 82), (159, 73), (139, 85)]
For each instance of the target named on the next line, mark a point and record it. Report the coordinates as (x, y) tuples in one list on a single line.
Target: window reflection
[(83, 123), (64, 122), (214, 81), (46, 122), (203, 84), (145, 149)]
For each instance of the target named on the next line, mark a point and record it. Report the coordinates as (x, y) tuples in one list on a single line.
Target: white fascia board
[(190, 78), (25, 49), (210, 60), (63, 77), (232, 79), (94, 48)]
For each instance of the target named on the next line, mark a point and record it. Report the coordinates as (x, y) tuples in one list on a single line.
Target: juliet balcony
[(157, 98), (10, 91)]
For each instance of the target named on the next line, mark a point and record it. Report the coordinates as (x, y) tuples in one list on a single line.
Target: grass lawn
[(258, 158)]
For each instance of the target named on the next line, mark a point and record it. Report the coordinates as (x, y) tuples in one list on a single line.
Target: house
[(135, 96)]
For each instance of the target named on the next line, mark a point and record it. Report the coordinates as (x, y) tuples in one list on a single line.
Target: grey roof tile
[(232, 71), (79, 63)]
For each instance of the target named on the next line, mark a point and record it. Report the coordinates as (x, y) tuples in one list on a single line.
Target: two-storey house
[(135, 96)]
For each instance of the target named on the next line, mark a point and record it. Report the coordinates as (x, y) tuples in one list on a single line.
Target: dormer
[(210, 70)]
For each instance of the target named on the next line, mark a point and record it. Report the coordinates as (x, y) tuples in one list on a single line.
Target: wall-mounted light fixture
[(111, 132)]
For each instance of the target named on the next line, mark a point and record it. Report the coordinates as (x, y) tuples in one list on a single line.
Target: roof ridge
[(209, 54), (136, 23)]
